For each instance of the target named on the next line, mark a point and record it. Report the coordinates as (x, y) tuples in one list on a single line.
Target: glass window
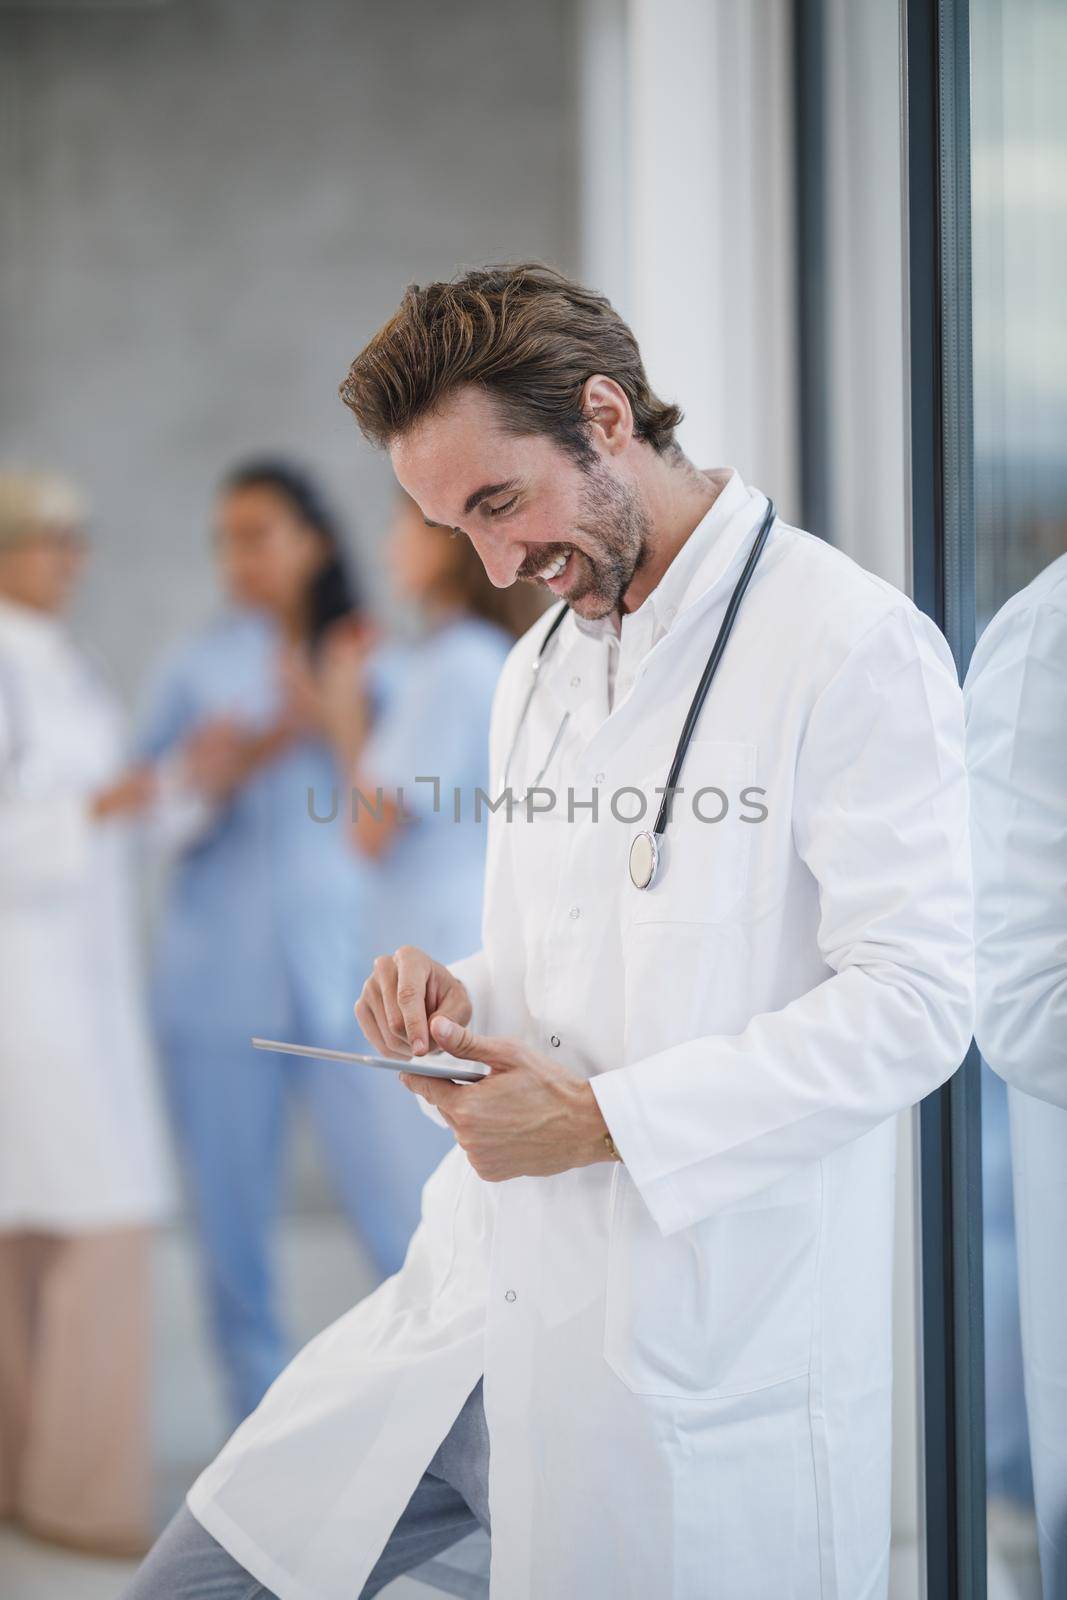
[(1017, 752)]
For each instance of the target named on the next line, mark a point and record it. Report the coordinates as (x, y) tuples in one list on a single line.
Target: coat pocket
[(722, 1308)]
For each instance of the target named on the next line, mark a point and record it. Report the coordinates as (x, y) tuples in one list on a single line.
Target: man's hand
[(401, 996), (529, 1118)]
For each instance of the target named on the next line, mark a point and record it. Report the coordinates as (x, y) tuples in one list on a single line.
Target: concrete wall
[(209, 205)]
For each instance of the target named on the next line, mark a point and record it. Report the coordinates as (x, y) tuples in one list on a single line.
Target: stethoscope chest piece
[(644, 860)]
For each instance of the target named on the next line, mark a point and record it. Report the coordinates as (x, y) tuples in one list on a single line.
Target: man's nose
[(501, 561)]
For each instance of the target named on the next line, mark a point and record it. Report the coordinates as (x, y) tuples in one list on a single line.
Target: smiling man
[(643, 1330)]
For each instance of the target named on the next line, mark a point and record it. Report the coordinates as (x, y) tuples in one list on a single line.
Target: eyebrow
[(486, 492)]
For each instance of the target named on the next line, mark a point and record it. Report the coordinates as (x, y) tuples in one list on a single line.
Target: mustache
[(546, 554)]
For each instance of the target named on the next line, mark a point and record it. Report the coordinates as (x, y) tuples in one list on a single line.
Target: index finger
[(412, 977)]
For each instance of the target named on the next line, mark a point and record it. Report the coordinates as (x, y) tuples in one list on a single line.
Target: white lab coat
[(81, 1138), (1016, 699), (686, 1357)]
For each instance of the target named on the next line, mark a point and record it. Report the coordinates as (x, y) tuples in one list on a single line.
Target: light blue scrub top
[(426, 890), (264, 926)]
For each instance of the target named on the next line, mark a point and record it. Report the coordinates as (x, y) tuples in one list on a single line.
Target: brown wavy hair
[(526, 334)]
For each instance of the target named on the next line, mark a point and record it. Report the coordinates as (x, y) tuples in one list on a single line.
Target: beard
[(614, 527)]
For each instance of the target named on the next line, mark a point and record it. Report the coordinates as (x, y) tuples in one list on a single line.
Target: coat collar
[(708, 557), (704, 556)]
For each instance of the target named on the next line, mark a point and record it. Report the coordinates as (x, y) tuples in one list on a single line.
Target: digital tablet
[(422, 1066)]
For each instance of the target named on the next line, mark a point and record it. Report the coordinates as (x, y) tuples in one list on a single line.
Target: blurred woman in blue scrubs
[(427, 885), (264, 926)]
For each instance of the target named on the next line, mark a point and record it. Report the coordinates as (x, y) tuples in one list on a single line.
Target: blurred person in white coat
[(1016, 698), (83, 1163), (643, 1333)]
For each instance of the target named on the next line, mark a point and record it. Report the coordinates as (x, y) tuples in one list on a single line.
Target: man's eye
[(498, 511)]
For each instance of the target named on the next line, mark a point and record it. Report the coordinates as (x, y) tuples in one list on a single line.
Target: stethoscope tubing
[(696, 705), (717, 650), (560, 617)]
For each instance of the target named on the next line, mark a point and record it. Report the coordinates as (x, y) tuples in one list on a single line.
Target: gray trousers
[(450, 1501)]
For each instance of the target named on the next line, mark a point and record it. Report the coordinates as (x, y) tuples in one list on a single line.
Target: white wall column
[(865, 253), (688, 124)]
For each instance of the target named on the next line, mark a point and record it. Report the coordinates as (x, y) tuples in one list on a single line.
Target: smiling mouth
[(553, 573)]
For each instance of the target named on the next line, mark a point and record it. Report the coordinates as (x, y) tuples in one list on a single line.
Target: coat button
[(600, 777), (576, 683), (575, 913), (509, 1295), (554, 1041)]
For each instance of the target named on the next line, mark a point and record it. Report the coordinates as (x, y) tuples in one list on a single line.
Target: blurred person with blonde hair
[(83, 1162)]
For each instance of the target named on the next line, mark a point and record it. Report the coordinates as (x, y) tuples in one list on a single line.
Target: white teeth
[(554, 569)]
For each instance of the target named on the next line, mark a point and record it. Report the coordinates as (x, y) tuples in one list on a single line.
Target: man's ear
[(606, 409)]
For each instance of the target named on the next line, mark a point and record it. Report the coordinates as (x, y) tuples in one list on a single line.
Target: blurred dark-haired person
[(83, 1161), (263, 924)]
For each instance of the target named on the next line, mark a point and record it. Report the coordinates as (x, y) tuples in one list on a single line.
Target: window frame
[(936, 79)]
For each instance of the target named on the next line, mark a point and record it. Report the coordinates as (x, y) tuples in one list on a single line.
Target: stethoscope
[(645, 849)]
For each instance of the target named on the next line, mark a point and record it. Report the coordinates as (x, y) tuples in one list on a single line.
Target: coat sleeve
[(473, 972), (1016, 699), (880, 820)]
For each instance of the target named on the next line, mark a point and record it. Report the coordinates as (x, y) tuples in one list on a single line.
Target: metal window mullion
[(937, 100)]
